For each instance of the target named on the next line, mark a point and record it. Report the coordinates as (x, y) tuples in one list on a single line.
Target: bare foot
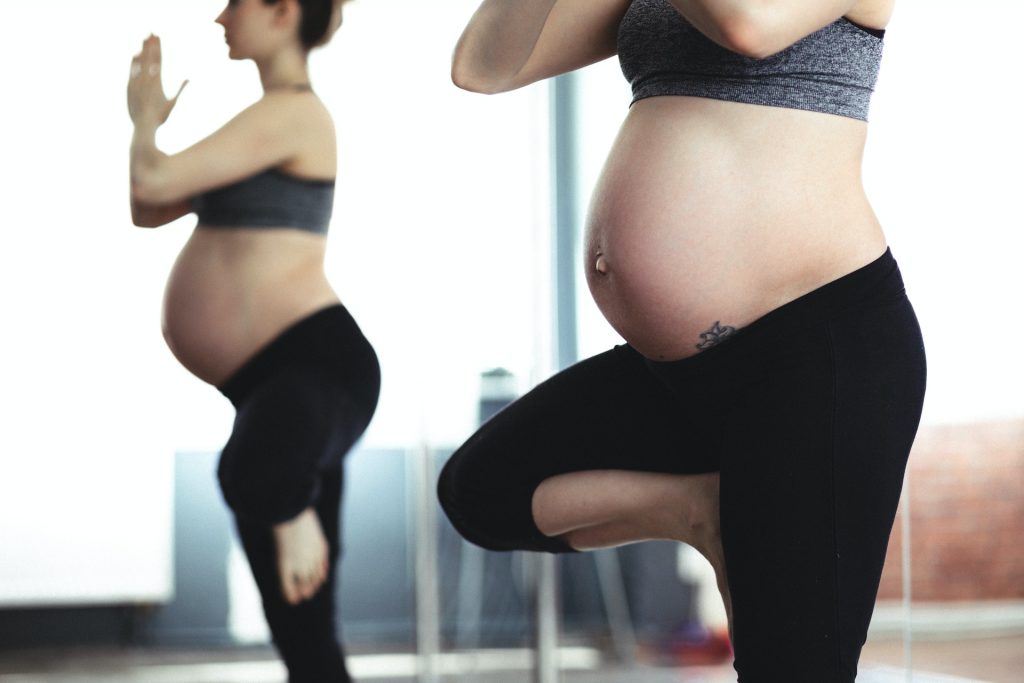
[(704, 533), (606, 508), (711, 549), (301, 556)]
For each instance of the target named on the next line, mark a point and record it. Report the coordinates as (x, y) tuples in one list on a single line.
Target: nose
[(222, 18)]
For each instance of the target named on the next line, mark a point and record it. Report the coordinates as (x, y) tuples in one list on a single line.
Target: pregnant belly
[(702, 221), (220, 307)]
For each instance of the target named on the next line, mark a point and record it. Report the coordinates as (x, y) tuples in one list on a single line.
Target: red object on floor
[(714, 648)]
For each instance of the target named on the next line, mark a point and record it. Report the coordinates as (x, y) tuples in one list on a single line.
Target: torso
[(231, 291), (710, 211)]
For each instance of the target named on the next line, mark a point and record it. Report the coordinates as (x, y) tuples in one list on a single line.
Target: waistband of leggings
[(328, 337), (875, 282)]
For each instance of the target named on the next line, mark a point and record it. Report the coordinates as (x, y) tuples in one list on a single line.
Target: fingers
[(149, 58), (174, 100), (157, 51), (151, 47)]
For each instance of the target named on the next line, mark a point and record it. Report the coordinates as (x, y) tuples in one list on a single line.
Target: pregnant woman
[(249, 310), (764, 405)]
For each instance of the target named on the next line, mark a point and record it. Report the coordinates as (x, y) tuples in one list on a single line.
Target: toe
[(289, 590)]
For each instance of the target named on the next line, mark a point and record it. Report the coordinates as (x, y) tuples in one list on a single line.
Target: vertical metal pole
[(546, 666), (613, 590), (563, 163), (564, 177), (428, 619), (908, 631)]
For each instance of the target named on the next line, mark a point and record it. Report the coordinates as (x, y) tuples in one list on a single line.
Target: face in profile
[(252, 28), (247, 25)]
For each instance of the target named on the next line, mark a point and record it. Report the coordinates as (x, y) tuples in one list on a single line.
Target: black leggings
[(302, 402), (808, 413)]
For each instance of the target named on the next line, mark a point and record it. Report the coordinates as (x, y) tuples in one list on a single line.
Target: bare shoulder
[(291, 108), (304, 117), (872, 13)]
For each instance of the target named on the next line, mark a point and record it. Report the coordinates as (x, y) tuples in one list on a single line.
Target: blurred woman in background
[(248, 309)]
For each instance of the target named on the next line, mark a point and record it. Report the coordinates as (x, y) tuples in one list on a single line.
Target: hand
[(146, 99)]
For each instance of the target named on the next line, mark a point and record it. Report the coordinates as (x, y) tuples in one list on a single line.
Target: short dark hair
[(316, 20)]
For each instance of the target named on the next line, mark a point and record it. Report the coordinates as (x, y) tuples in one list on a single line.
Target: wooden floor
[(995, 660)]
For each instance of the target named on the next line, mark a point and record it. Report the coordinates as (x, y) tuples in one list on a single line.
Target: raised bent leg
[(605, 413), (607, 508), (599, 455)]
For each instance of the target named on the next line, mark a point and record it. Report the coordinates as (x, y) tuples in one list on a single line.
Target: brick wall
[(967, 515)]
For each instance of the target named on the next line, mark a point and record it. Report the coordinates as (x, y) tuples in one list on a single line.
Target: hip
[(327, 343)]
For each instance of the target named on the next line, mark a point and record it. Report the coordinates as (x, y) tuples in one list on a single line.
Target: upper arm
[(576, 33), (264, 135)]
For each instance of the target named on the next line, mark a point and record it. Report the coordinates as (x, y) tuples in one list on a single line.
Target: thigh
[(296, 425), (607, 412), (811, 474)]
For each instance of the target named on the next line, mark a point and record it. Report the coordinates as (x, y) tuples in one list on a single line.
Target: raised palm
[(146, 99)]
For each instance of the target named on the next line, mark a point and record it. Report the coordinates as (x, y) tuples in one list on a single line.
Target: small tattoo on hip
[(717, 334)]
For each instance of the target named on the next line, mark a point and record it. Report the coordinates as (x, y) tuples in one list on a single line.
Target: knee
[(452, 497), (491, 511), (231, 480), (461, 503), (259, 493)]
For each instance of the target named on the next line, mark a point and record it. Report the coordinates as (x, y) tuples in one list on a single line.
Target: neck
[(286, 69)]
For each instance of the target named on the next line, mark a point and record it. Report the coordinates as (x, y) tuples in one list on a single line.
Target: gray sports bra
[(833, 70), (271, 199)]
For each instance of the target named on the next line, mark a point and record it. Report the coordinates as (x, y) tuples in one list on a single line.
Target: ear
[(288, 13)]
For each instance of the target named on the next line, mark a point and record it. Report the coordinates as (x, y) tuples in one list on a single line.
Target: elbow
[(749, 33), (141, 217), (140, 220), (465, 79)]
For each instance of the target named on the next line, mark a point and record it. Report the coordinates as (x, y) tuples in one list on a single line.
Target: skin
[(707, 215), (230, 292)]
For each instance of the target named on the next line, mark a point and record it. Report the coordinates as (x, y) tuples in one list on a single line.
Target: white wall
[(944, 169)]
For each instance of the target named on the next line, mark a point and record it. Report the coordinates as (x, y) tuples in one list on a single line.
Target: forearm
[(145, 161), (759, 28), (498, 40)]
